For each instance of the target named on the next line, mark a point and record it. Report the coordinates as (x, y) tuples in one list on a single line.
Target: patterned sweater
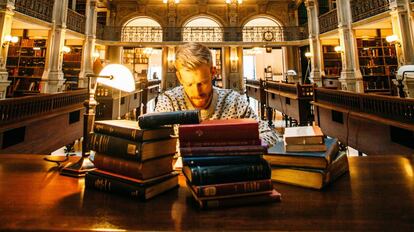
[(225, 104)]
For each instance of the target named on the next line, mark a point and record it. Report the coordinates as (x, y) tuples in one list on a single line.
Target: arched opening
[(141, 29), (262, 29), (265, 63), (202, 29)]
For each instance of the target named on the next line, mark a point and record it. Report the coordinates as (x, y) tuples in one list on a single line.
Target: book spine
[(126, 133), (219, 142), (228, 173), (248, 200), (113, 186), (115, 146), (223, 149), (233, 188), (236, 153), (154, 120), (220, 160), (214, 133)]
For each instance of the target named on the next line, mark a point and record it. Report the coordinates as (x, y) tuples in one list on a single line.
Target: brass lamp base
[(79, 168)]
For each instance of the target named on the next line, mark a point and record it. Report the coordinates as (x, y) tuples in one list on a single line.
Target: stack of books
[(132, 161), (306, 158), (223, 163)]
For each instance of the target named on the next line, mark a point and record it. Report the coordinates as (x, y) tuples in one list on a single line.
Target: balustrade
[(75, 21), (14, 109), (362, 9), (328, 21), (41, 9), (394, 108)]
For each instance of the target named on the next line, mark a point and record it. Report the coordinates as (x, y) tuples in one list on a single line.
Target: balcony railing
[(328, 21), (15, 109), (40, 9), (75, 21), (398, 109), (201, 34), (141, 34), (362, 9)]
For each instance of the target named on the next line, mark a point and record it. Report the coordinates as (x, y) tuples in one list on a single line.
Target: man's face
[(197, 85)]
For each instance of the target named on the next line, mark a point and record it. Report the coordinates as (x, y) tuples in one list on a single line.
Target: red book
[(218, 190), (220, 143), (230, 129)]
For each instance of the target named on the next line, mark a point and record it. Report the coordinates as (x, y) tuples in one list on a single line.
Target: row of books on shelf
[(72, 57), (332, 71)]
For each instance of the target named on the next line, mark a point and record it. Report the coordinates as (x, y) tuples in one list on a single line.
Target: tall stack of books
[(305, 158), (132, 161), (223, 163)]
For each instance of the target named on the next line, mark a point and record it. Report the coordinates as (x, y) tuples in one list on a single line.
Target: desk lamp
[(116, 76), (400, 78)]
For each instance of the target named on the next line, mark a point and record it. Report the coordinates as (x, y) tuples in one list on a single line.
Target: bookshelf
[(136, 59), (217, 58), (332, 63), (25, 65), (378, 63), (71, 67)]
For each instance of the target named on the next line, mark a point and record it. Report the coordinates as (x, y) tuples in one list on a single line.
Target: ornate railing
[(273, 34), (41, 9), (99, 30), (201, 34), (16, 109), (328, 21), (75, 21), (141, 34), (362, 9), (397, 109)]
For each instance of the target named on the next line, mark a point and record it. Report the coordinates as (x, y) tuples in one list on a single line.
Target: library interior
[(309, 123)]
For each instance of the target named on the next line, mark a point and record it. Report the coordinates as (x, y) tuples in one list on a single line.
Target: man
[(193, 63)]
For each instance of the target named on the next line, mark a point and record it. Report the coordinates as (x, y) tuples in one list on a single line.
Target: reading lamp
[(116, 76), (400, 78)]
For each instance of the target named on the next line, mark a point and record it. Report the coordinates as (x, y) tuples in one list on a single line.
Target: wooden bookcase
[(332, 63), (25, 65), (378, 63), (218, 64), (137, 61), (71, 67)]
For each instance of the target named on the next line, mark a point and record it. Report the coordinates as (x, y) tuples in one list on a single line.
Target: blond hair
[(192, 55)]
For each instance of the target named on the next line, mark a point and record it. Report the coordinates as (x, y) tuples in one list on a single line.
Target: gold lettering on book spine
[(103, 184), (210, 191), (131, 149), (134, 134)]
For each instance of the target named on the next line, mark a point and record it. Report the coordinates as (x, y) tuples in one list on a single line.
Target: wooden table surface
[(377, 194)]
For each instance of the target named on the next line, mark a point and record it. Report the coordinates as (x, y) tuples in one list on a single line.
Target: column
[(314, 42), (53, 79), (114, 54), (89, 43), (401, 26), (351, 77), (6, 17)]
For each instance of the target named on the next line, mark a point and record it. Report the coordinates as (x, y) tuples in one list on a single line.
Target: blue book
[(219, 160), (218, 174), (277, 155)]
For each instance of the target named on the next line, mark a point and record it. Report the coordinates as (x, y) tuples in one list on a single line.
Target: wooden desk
[(378, 194)]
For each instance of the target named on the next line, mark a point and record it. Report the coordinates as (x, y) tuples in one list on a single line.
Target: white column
[(53, 78), (6, 17), (314, 42), (401, 26), (351, 77), (89, 43)]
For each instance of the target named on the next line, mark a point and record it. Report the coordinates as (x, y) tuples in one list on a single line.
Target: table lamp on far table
[(116, 76)]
